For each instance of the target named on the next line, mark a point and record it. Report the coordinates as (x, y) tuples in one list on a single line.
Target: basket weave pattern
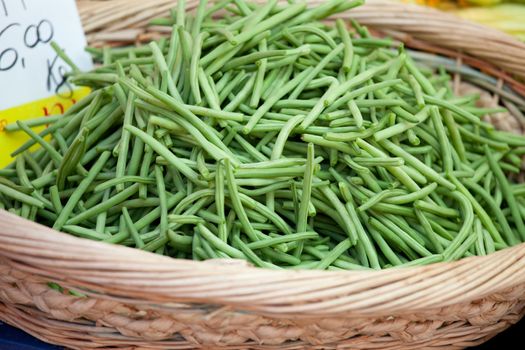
[(141, 299), (138, 300)]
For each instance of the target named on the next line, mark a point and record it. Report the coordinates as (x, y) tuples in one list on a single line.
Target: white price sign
[(29, 67)]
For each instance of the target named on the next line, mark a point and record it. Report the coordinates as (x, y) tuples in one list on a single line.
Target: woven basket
[(138, 300)]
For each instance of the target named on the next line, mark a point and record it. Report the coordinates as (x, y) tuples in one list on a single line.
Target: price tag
[(32, 76)]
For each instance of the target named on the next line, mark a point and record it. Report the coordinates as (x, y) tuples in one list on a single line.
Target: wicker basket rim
[(131, 273), (126, 272)]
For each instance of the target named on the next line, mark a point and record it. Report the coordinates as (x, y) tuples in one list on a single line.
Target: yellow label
[(10, 141)]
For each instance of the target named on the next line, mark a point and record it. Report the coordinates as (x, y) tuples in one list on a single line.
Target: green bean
[(99, 208), (179, 241), (84, 232), (60, 53), (209, 93), (383, 162), (110, 183), (285, 132), (389, 254), (412, 197), (268, 136), (202, 127), (507, 192), (378, 197), (223, 115), (318, 140), (418, 92), (165, 70), (480, 246), (266, 212), (280, 256), (34, 123), (518, 190), (259, 27), (20, 196), (122, 234), (314, 72), (396, 171), (348, 47), (363, 238), (219, 200), (507, 137), (270, 242), (278, 94), (334, 254), (259, 80), (55, 198), (484, 140), (172, 159), (362, 91), (355, 166), (35, 167), (356, 113), (79, 192), (489, 242), (230, 86), (102, 217), (242, 95), (417, 164), (211, 253), (468, 219), (219, 244), (392, 237), (402, 127), (191, 198), (435, 209), (432, 259), (236, 201), (63, 121), (355, 81), (405, 237), (250, 255), (161, 188), (496, 210), (307, 190), (184, 219), (55, 156), (463, 248), (132, 229), (419, 77), (278, 163), (341, 211), (429, 231)]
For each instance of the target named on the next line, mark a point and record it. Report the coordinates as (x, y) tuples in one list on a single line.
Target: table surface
[(15, 339)]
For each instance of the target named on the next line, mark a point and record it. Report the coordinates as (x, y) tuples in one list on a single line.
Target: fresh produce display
[(262, 134)]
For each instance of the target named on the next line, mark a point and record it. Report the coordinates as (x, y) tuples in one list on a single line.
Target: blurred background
[(505, 15)]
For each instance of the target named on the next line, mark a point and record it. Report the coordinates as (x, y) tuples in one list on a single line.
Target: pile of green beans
[(258, 132)]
